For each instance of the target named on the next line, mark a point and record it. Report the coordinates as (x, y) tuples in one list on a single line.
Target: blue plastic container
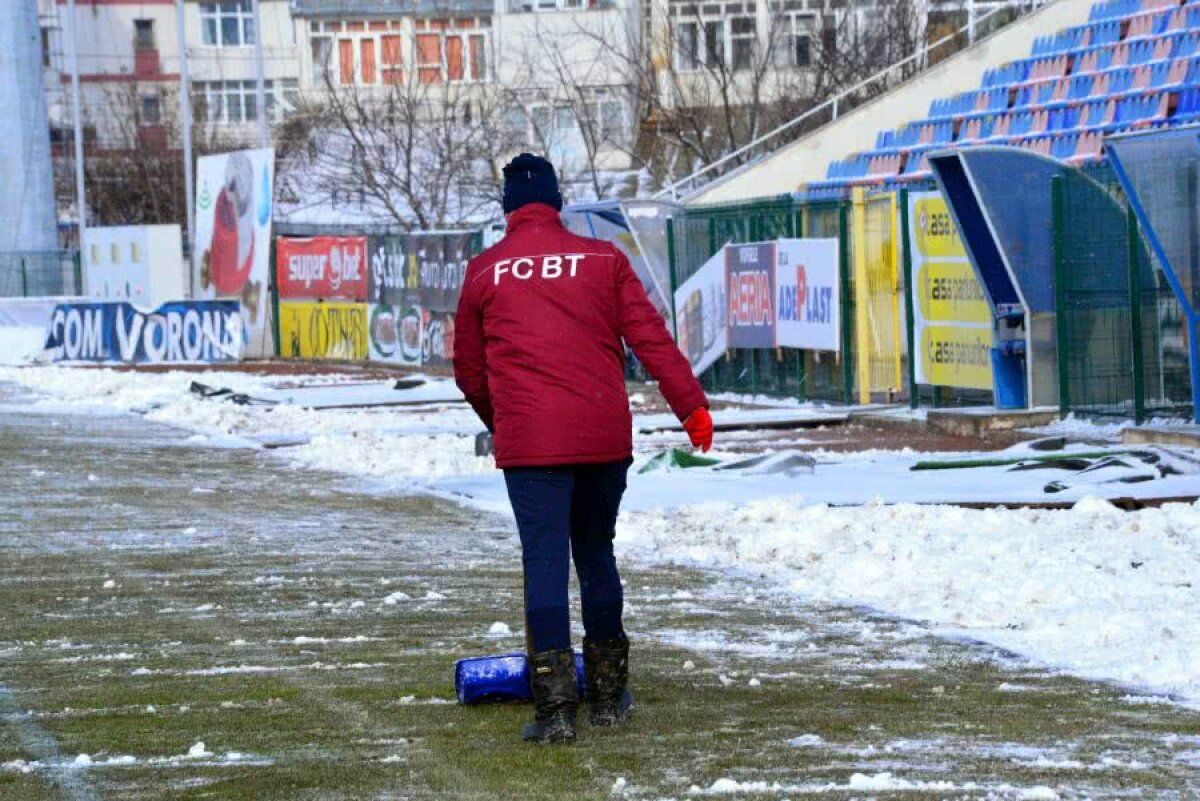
[(1008, 372), (499, 678)]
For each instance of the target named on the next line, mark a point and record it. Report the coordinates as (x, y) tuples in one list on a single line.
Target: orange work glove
[(699, 428)]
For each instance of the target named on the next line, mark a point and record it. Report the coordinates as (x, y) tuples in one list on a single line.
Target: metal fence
[(1120, 329), (697, 233), (25, 274)]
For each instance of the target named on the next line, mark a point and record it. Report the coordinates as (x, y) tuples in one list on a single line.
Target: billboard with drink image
[(232, 251)]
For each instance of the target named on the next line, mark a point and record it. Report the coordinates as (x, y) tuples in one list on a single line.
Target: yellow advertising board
[(948, 292), (952, 320), (955, 356), (315, 330)]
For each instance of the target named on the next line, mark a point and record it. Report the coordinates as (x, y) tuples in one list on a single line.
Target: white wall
[(806, 159)]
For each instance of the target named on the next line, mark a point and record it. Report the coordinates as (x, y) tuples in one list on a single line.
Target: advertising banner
[(700, 312), (317, 330), (414, 283), (178, 332), (808, 307), (233, 235), (952, 322), (751, 294), (396, 333), (321, 267)]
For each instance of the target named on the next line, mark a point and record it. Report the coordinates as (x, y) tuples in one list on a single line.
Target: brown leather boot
[(555, 697), (606, 671)]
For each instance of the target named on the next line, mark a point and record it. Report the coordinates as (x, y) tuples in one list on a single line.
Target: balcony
[(146, 64)]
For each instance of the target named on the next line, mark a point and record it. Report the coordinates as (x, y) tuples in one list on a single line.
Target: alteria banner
[(321, 267), (952, 323), (751, 294), (414, 284), (181, 332), (233, 235)]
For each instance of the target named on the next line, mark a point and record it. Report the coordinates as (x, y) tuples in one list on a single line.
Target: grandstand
[(1134, 65)]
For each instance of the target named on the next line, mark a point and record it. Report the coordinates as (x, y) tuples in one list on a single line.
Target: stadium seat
[(1134, 65)]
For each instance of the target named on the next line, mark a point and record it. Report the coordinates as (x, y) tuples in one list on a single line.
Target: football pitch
[(182, 622)]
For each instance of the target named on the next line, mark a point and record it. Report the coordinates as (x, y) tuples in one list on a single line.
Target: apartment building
[(129, 63)]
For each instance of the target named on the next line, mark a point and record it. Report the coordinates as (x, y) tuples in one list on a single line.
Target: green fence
[(1121, 344), (25, 274), (697, 233)]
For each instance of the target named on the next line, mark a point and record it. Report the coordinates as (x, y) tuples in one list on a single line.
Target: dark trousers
[(563, 512)]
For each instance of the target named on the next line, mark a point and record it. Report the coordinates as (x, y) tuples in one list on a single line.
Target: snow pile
[(1096, 591)]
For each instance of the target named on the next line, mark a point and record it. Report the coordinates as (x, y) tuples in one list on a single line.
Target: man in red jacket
[(539, 354)]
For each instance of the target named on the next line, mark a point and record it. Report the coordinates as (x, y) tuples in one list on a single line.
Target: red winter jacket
[(537, 345)]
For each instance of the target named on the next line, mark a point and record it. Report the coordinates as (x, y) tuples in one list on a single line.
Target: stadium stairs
[(1093, 69)]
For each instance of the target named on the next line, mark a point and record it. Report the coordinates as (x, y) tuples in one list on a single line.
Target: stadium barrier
[(31, 274), (869, 364), (1122, 340)]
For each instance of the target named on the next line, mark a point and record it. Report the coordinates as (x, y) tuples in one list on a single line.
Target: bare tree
[(421, 155), (706, 85), (133, 165)]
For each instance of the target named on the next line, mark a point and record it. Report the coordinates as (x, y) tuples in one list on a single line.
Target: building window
[(454, 54), (45, 47), (391, 60), (322, 54), (235, 101), (518, 6), (143, 34), (742, 41), (151, 110), (227, 24), (793, 40), (715, 36)]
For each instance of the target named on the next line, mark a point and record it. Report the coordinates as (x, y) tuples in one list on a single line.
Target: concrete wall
[(806, 159)]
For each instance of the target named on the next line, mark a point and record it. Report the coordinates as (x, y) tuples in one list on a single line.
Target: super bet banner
[(952, 322)]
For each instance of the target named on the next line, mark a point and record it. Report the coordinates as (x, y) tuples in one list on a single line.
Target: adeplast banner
[(952, 323), (317, 330), (750, 294), (179, 332), (233, 235), (333, 267), (700, 314), (808, 294)]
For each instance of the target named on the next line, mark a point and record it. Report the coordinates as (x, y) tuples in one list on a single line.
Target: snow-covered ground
[(1092, 590)]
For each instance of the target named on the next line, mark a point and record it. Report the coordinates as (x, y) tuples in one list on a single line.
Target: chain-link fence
[(1121, 344), (700, 232), (27, 274)]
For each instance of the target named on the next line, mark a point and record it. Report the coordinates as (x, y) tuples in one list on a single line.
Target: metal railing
[(691, 183)]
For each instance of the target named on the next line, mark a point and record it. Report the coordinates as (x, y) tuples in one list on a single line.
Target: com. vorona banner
[(952, 324), (180, 332), (414, 282), (330, 267), (233, 235), (700, 314), (315, 330)]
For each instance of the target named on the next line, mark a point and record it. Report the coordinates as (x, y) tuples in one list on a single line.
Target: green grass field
[(184, 596)]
